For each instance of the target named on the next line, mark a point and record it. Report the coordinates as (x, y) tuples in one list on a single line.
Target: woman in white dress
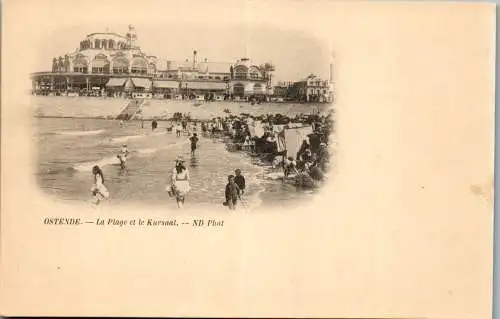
[(99, 191), (178, 129), (179, 182)]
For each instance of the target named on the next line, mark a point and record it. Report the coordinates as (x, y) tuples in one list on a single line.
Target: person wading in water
[(99, 191), (232, 193), (122, 156), (240, 180), (178, 129), (179, 182), (194, 143)]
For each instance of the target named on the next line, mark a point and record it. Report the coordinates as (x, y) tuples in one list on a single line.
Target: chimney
[(331, 72), (194, 59), (205, 59)]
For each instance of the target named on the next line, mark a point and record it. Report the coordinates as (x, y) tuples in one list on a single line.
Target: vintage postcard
[(247, 159)]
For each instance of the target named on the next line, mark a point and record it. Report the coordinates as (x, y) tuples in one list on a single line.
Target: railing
[(130, 109), (248, 78), (125, 105)]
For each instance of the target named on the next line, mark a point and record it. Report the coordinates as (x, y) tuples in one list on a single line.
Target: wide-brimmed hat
[(179, 159)]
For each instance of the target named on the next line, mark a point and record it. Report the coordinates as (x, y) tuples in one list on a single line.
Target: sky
[(294, 53)]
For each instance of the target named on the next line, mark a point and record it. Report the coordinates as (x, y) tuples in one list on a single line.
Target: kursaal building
[(115, 64)]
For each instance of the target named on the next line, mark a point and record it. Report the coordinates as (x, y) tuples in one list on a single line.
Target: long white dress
[(181, 181), (99, 189)]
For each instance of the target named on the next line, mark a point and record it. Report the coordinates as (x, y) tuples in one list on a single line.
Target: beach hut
[(294, 138)]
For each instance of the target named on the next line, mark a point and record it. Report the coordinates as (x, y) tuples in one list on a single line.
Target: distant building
[(282, 90), (112, 63), (247, 79), (311, 89)]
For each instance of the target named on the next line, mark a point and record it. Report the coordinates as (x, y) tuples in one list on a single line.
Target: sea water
[(68, 148)]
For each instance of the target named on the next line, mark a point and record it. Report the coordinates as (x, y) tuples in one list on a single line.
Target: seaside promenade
[(110, 108)]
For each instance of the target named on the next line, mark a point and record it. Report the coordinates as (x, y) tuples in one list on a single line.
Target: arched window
[(80, 65), (100, 64), (254, 73), (139, 66), (120, 65), (111, 44), (97, 44), (240, 72)]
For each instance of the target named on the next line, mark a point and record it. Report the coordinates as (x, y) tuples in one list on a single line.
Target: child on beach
[(154, 125), (122, 156), (194, 141), (232, 193), (178, 129), (240, 180), (289, 166), (179, 186), (99, 191)]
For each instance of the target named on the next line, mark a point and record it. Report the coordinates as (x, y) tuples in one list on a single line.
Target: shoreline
[(163, 110), (270, 191)]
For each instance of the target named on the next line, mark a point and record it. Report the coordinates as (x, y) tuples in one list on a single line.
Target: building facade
[(112, 64), (282, 90), (310, 89)]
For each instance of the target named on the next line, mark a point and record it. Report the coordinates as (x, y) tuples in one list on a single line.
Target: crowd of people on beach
[(266, 137), (308, 165)]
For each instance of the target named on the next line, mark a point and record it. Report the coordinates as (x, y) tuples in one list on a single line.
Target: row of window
[(175, 76), (317, 91), (142, 71), (243, 76), (102, 44), (120, 70), (317, 83), (105, 70)]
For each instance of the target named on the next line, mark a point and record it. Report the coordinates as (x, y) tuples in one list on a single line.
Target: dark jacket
[(240, 181), (303, 147), (193, 140)]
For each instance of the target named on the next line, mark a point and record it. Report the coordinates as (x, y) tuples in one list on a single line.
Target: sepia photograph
[(207, 115), (247, 158)]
